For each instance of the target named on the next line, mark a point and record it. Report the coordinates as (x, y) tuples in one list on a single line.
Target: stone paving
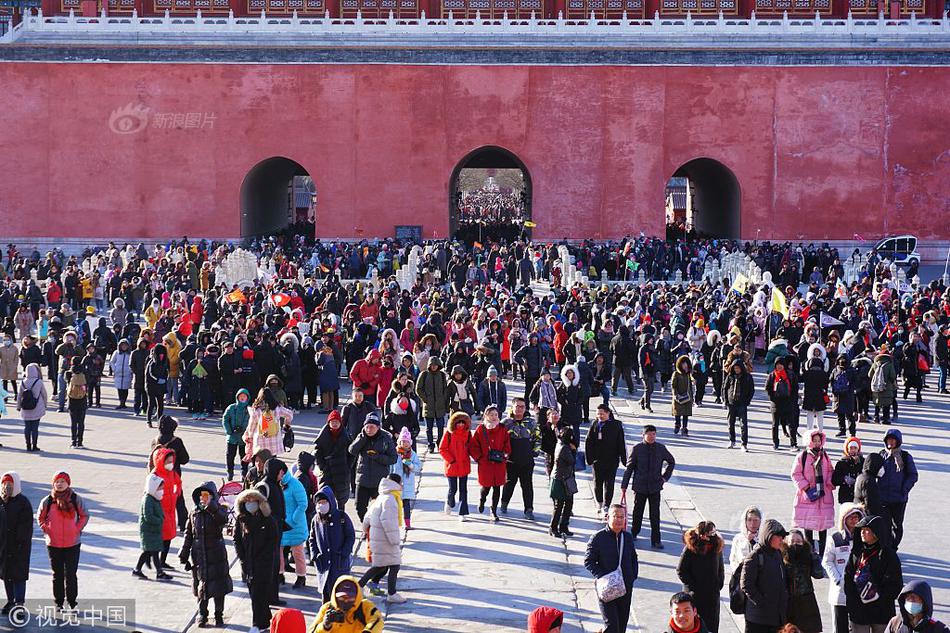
[(456, 575)]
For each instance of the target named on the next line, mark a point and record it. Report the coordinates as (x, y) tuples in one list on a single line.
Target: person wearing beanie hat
[(375, 451), (545, 620), (62, 516), (331, 454), (407, 466), (492, 391), (16, 522), (847, 470)]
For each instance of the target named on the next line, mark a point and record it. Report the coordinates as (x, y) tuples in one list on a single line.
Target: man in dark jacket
[(762, 580), (525, 443), (872, 577), (737, 391), (352, 417), (17, 539), (624, 355), (646, 358), (331, 450), (138, 361), (531, 359), (608, 549), (646, 467), (916, 611), (605, 449), (900, 475), (375, 452), (230, 371), (492, 390)]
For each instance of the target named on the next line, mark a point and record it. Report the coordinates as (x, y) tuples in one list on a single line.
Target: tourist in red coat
[(455, 450), (164, 460), (490, 440), (365, 374)]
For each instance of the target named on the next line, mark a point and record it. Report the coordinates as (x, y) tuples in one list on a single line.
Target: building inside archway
[(490, 197), (702, 201), (277, 194)]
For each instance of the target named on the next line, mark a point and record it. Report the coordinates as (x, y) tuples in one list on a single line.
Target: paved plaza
[(458, 576)]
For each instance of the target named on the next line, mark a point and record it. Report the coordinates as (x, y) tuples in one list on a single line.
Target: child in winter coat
[(164, 461), (407, 466), (151, 519), (234, 421)]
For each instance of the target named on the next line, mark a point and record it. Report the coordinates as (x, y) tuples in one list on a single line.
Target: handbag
[(580, 461), (495, 455), (570, 485), (611, 586), (288, 438), (922, 365)]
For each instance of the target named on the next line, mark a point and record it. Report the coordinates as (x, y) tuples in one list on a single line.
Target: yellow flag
[(529, 224), (740, 284), (779, 304)]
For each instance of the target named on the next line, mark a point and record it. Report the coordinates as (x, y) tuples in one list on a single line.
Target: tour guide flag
[(779, 304), (529, 224), (826, 320), (236, 297), (740, 284), (632, 265)]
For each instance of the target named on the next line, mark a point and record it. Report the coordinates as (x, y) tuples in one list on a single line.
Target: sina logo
[(129, 119)]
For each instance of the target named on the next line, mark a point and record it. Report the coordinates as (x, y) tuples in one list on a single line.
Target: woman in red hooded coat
[(164, 460), (490, 436), (455, 450)]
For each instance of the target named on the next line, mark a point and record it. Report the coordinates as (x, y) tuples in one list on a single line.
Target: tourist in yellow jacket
[(347, 611), (173, 347)]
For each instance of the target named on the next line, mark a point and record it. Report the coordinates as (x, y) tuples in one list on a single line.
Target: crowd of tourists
[(428, 365)]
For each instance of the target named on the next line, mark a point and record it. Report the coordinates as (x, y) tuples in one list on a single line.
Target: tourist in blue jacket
[(896, 482), (295, 509), (331, 541)]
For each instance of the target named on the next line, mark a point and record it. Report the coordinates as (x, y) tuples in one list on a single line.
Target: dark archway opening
[(703, 201), (277, 195), (490, 197)]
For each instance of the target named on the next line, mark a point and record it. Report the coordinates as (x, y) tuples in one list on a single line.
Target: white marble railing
[(681, 27)]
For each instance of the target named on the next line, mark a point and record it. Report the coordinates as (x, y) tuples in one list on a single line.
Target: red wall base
[(818, 152)]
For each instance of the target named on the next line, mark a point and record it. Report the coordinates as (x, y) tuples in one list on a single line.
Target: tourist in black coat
[(204, 551), (702, 572), (847, 470), (873, 568), (650, 466), (257, 540), (606, 550), (16, 538), (866, 490), (605, 449), (762, 580)]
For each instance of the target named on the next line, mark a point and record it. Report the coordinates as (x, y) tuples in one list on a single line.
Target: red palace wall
[(819, 152)]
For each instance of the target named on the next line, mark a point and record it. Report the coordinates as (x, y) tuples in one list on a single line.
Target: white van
[(901, 249)]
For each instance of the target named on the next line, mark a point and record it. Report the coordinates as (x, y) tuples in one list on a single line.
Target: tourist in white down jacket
[(837, 552)]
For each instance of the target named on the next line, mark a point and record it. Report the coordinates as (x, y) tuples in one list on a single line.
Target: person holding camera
[(490, 448), (347, 611)]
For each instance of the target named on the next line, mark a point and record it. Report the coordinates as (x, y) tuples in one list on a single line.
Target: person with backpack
[(843, 397), (78, 402), (883, 385), (895, 482), (31, 402), (783, 404), (764, 601), (835, 559), (814, 507), (92, 365), (432, 387), (62, 517)]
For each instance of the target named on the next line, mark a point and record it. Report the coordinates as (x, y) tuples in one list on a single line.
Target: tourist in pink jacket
[(62, 517), (814, 502)]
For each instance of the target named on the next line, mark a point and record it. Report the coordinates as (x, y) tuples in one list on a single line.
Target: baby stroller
[(227, 495)]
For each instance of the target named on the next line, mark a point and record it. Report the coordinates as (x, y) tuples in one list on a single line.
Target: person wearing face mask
[(814, 505), (883, 379), (916, 611), (872, 577), (151, 519), (801, 566), (763, 581), (702, 572), (256, 542), (62, 517), (163, 460), (16, 521), (331, 542), (203, 551), (837, 552), (31, 402), (347, 611), (490, 448), (234, 421)]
